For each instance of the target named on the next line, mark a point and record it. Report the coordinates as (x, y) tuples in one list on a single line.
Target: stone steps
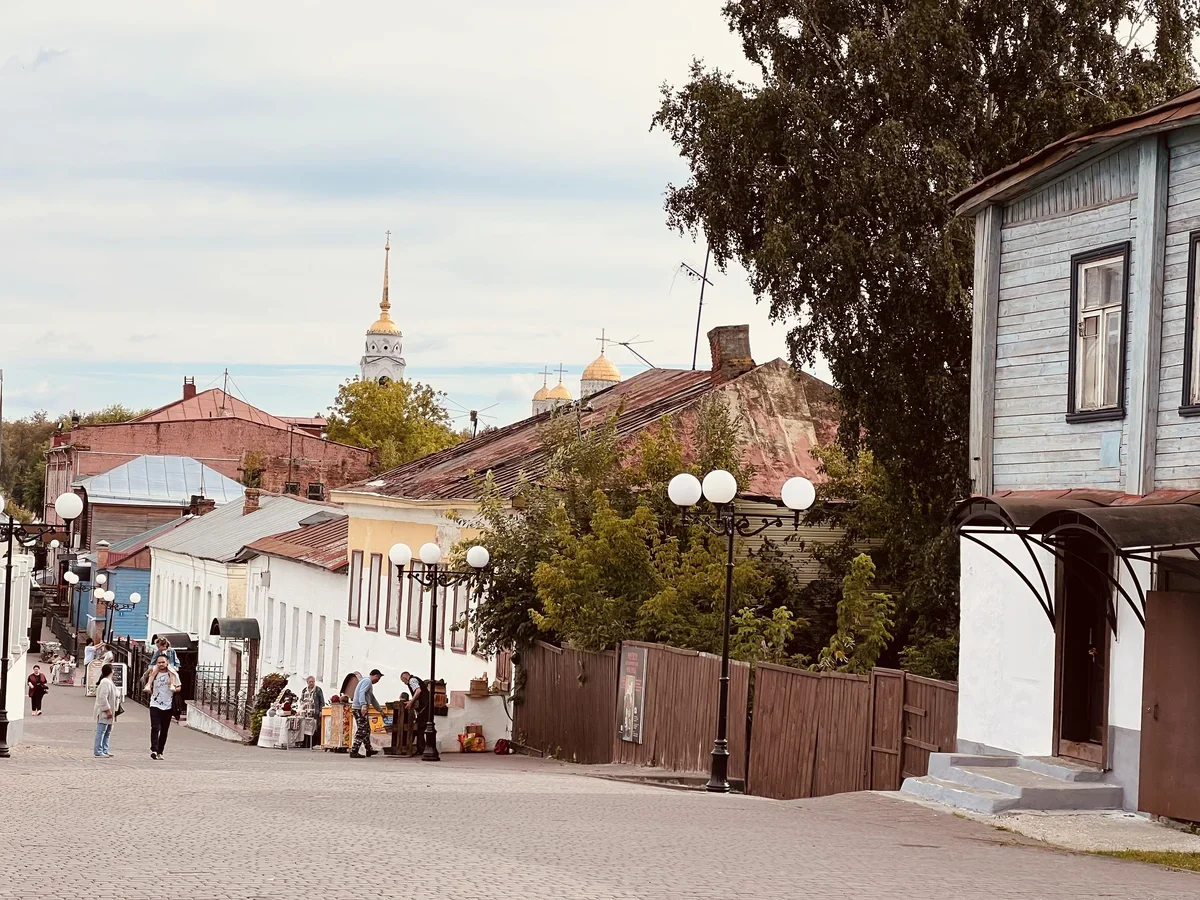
[(994, 784)]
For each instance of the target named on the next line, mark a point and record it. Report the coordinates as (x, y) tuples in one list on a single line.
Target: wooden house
[(1080, 547)]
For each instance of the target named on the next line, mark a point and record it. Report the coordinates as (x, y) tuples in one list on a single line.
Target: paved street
[(220, 821)]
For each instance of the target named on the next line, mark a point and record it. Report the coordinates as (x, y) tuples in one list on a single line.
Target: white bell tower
[(381, 361)]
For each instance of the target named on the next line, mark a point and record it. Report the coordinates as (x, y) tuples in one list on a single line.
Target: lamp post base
[(430, 753), (4, 751), (718, 780)]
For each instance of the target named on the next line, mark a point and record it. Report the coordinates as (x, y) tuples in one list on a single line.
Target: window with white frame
[(321, 650), (1098, 304), (282, 631), (376, 567), (295, 657), (356, 565), (308, 636)]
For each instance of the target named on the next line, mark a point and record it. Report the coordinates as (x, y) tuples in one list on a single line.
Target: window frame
[(393, 579), (354, 609), (1078, 260), (461, 593), (374, 573), (1189, 404), (412, 630)]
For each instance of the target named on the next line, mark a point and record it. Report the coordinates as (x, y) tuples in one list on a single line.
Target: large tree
[(401, 420), (829, 180)]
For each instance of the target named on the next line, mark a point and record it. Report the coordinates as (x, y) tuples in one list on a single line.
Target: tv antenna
[(472, 415), (630, 344), (702, 277)]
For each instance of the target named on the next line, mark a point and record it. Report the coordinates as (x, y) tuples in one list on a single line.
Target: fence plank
[(887, 699), (567, 708)]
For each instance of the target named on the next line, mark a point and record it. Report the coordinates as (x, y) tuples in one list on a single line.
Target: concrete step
[(1061, 769), (958, 796), (1036, 791)]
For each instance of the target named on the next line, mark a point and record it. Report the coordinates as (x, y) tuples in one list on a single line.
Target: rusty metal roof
[(784, 413), (211, 404), (322, 545), (1003, 184)]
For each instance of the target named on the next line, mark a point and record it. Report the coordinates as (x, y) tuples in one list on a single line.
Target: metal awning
[(177, 639), (1014, 510), (1137, 527), (237, 629)]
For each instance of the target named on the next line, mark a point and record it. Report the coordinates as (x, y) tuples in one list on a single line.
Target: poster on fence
[(631, 694)]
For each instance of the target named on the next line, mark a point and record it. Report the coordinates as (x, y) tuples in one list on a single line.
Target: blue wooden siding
[(131, 623)]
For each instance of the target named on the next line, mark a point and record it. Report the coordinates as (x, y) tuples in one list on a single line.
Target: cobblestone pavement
[(219, 822)]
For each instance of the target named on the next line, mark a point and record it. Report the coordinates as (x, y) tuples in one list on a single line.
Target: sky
[(190, 188)]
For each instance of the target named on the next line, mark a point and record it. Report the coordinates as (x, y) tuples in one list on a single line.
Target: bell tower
[(382, 361)]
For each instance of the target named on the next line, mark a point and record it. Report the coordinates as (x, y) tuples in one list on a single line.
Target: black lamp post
[(720, 489), (431, 578), (68, 506)]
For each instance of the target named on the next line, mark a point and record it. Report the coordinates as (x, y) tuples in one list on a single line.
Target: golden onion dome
[(558, 392), (543, 393), (384, 325), (602, 369)]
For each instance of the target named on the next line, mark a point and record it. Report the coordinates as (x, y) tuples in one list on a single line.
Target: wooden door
[(1170, 759), (1083, 642)]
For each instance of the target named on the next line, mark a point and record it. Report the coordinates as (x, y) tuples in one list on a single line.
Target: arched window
[(384, 381)]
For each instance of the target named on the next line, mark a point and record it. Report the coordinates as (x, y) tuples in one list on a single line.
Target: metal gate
[(1170, 757)]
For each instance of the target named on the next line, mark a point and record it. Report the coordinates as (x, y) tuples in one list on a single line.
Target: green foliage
[(113, 414), (864, 623), (269, 690), (829, 177), (758, 638), (401, 421), (254, 463), (592, 553)]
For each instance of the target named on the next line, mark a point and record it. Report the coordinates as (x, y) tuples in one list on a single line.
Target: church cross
[(545, 373), (603, 340), (560, 373)]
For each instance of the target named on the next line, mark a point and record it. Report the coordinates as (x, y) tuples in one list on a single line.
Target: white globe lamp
[(68, 506), (135, 598), (400, 555), (798, 494), (684, 490), (431, 554), (54, 545), (102, 579), (478, 557), (720, 487)]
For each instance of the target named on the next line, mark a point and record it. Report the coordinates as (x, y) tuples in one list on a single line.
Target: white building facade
[(18, 643), (1080, 549)]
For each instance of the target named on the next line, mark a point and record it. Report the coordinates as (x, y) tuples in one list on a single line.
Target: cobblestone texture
[(224, 822)]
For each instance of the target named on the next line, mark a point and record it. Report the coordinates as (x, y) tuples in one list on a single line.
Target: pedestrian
[(312, 701), (105, 710), (420, 702), (162, 647), (364, 699), (162, 686), (89, 653), (37, 689)]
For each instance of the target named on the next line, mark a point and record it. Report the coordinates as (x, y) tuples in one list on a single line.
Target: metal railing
[(225, 698)]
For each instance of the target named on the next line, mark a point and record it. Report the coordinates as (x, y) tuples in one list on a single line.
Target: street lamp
[(68, 507), (430, 579), (720, 488), (111, 607)]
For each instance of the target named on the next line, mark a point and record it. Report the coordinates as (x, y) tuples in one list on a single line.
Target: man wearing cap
[(364, 699)]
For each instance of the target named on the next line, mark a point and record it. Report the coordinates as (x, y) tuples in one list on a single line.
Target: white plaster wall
[(18, 643), (310, 589), (181, 615), (491, 713), (1126, 655), (1006, 650)]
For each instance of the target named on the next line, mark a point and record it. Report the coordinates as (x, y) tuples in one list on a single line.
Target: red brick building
[(218, 430)]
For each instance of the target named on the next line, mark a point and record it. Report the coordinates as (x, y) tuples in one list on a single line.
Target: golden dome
[(601, 369), (543, 393), (384, 325), (558, 392)]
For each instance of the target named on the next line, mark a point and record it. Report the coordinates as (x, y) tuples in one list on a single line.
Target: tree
[(864, 623), (401, 421), (829, 181), (113, 414), (592, 553)]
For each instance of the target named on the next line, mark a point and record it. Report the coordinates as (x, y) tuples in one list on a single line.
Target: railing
[(224, 698)]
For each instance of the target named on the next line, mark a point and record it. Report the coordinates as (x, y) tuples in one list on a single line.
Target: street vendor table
[(282, 732)]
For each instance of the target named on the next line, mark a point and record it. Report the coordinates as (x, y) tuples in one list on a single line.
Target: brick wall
[(221, 444)]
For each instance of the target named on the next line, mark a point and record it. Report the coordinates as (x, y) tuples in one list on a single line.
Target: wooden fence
[(680, 712), (828, 733), (813, 733), (567, 707)]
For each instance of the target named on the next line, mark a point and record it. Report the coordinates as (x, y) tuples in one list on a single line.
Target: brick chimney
[(198, 505), (102, 555), (730, 345), (189, 387), (251, 501)]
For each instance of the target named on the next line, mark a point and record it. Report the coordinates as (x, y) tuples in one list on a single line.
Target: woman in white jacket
[(106, 712)]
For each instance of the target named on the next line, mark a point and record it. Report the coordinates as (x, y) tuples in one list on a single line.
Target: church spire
[(385, 325)]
